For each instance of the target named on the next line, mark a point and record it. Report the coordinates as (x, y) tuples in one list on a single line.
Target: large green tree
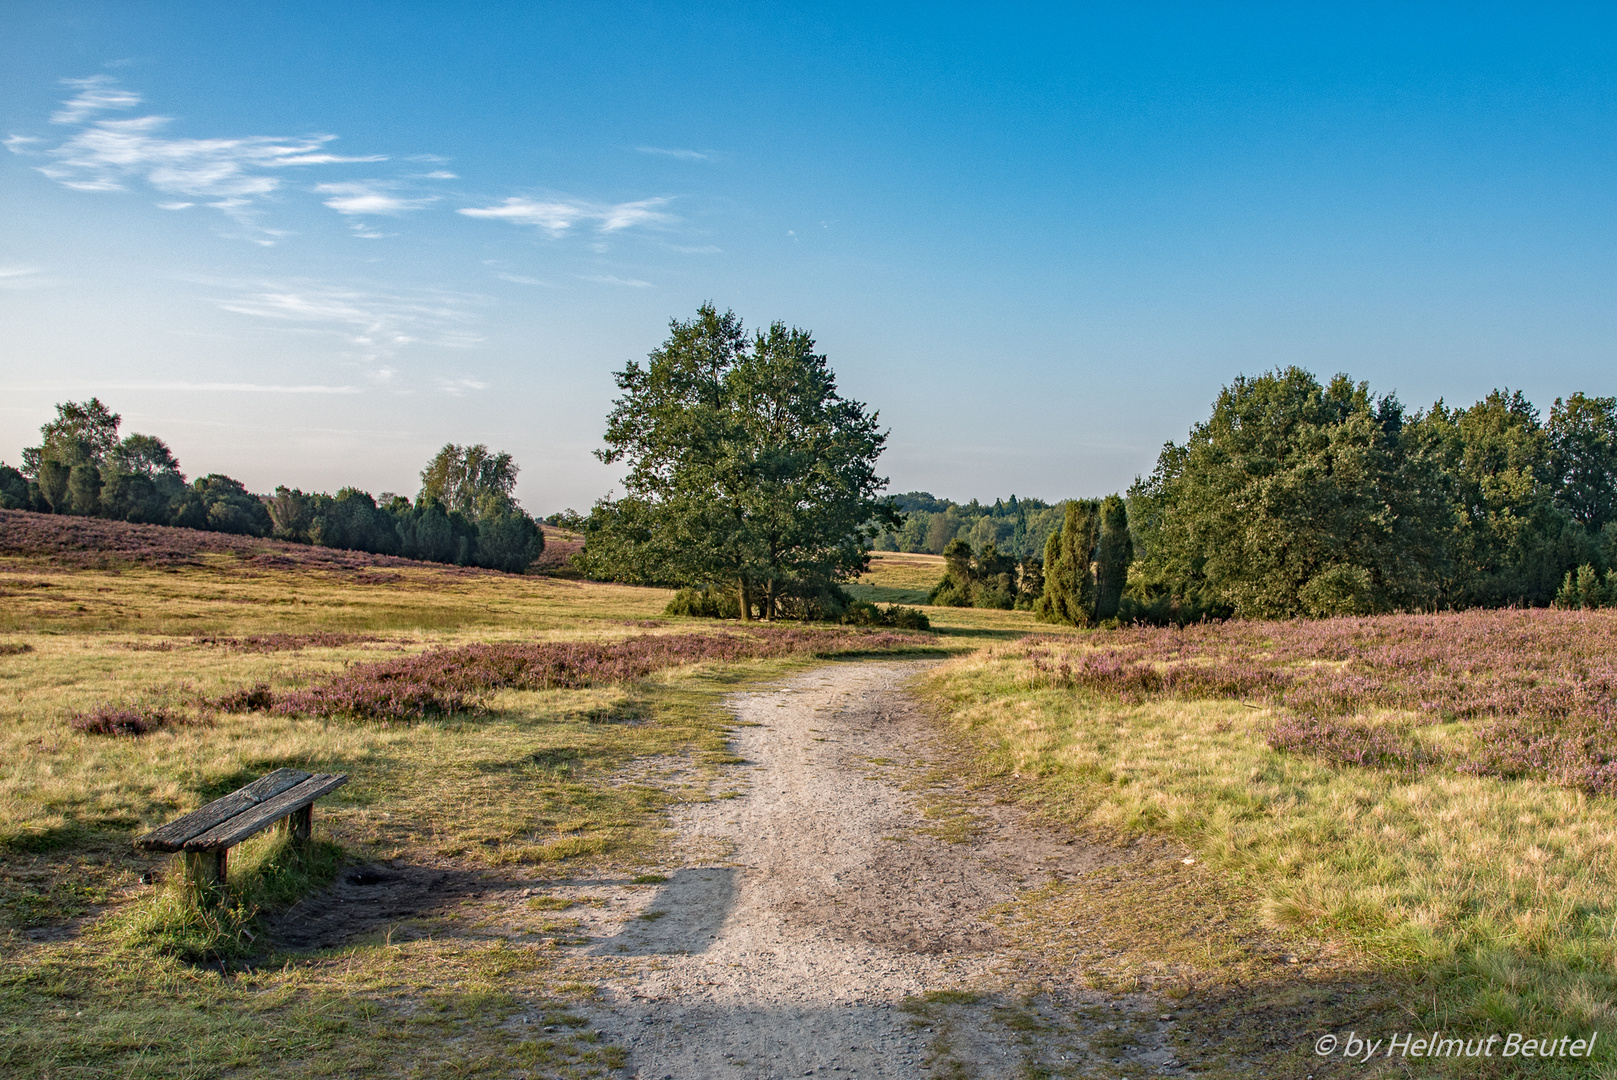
[(82, 434), (470, 480), (746, 469), (1295, 498)]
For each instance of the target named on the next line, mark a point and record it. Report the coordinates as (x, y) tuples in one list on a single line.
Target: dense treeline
[(465, 513), (1296, 498), (1016, 527)]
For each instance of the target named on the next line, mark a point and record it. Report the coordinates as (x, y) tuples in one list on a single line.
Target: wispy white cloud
[(373, 326), (21, 277), (459, 387), (683, 155), (520, 280), (559, 215), (439, 174), (110, 153), (613, 279), (175, 205), (96, 94), (369, 197)]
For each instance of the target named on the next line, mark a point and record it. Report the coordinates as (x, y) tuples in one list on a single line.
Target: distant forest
[(465, 513), (1016, 527)]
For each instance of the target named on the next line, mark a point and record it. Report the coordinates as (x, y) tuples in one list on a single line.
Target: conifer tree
[(1069, 575), (1113, 553)]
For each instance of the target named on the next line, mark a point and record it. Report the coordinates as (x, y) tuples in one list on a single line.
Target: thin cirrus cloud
[(112, 153), (21, 277), (613, 279), (370, 197), (683, 155), (559, 216), (376, 327)]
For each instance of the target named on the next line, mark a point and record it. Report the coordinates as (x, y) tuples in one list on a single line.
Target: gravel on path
[(836, 916)]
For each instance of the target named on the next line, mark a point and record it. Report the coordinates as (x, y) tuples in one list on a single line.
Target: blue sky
[(309, 244)]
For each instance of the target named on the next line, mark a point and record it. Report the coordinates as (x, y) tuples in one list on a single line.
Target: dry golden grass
[(1491, 901), (898, 578)]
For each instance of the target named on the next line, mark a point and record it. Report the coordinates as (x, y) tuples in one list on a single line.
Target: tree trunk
[(746, 600)]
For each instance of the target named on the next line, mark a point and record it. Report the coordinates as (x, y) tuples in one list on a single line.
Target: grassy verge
[(1280, 892)]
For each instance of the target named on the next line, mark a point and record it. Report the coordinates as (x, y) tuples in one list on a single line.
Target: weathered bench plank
[(251, 820), (207, 834), (174, 835)]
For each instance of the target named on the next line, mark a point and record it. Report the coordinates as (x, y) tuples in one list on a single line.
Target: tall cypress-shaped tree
[(1113, 552), (1069, 576)]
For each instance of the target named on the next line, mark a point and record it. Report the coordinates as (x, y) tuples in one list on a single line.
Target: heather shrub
[(280, 642), (1536, 689), (15, 648), (444, 682), (122, 720), (255, 698)]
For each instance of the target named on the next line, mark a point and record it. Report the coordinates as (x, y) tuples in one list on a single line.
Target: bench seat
[(207, 833)]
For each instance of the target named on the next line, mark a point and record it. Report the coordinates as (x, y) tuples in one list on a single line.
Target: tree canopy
[(471, 481), (1297, 498), (746, 468)]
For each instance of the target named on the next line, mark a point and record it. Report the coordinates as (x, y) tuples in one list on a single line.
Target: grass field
[(1426, 897), (106, 975), (898, 578)]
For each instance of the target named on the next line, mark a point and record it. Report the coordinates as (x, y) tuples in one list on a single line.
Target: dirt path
[(836, 915)]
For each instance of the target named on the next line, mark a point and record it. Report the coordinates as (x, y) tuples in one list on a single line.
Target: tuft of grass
[(648, 879), (267, 872), (549, 903), (951, 997)]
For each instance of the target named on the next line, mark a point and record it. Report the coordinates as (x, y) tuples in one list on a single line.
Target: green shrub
[(864, 613), (13, 490), (705, 603), (510, 541)]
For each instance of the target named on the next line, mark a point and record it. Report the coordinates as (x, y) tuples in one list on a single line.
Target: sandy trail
[(801, 916)]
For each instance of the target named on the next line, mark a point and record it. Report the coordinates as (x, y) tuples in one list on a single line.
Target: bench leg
[(301, 822), (205, 869)]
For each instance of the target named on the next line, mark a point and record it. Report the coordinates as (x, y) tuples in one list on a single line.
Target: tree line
[(465, 513), (1301, 498), (1297, 498), (1016, 527)]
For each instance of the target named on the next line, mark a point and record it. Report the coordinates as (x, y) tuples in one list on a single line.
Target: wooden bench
[(206, 835)]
